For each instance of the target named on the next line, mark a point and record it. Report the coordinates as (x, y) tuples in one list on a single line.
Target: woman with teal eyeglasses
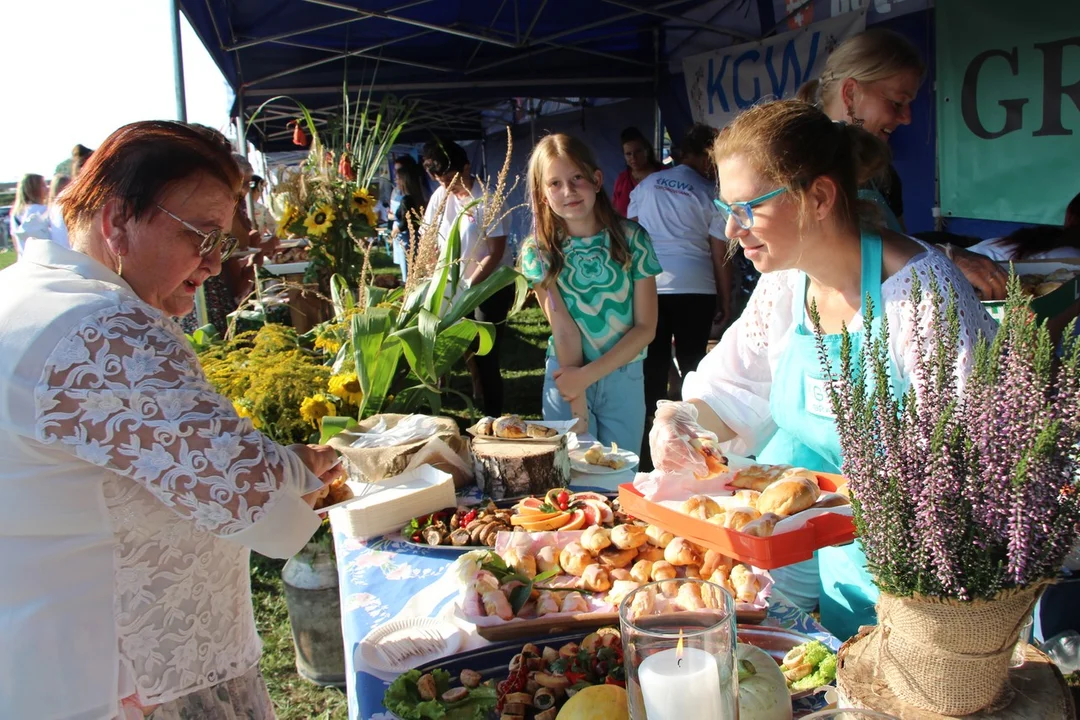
[(789, 179)]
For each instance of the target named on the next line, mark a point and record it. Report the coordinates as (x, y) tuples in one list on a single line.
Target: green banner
[(1008, 99)]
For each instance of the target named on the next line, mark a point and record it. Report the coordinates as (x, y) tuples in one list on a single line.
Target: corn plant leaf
[(369, 330), (412, 346), (428, 324), (341, 296), (331, 425), (412, 304), (413, 398), (474, 296), (451, 345), (448, 272), (382, 377)]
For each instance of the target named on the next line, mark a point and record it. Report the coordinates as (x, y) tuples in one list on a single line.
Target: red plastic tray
[(766, 553)]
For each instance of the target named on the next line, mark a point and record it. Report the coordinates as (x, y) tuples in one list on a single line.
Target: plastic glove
[(673, 437)]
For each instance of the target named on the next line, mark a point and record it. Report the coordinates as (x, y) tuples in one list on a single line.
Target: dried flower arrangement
[(962, 493)]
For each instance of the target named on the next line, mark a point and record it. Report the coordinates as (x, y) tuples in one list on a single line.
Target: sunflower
[(319, 219), (243, 409), (315, 408), (347, 387), (372, 219), (362, 201), (288, 217)]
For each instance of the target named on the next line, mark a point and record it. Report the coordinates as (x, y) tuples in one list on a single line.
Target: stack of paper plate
[(386, 506), (402, 644)]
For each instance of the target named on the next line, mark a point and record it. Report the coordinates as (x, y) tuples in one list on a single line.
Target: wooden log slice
[(505, 468), (1035, 690)]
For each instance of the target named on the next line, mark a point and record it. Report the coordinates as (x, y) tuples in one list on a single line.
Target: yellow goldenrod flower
[(328, 343), (347, 387), (315, 408), (362, 201), (318, 221), (244, 411)]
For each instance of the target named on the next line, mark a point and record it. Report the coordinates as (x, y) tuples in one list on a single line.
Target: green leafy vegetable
[(823, 674), (403, 699)]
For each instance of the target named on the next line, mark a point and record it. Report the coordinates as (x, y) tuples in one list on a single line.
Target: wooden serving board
[(581, 622), (507, 468)]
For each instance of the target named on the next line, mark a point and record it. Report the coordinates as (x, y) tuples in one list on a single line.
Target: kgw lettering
[(789, 62), (1054, 90)]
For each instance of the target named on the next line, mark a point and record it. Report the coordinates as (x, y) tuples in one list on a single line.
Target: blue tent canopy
[(455, 58)]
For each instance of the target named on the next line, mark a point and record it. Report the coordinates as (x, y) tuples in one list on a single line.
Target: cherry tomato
[(563, 499), (468, 518)]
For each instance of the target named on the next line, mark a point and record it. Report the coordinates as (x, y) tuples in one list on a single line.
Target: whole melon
[(597, 702)]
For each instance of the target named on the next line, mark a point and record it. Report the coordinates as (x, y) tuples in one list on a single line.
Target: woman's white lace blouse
[(130, 495), (735, 379)]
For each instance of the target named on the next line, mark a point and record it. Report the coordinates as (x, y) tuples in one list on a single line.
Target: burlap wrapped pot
[(948, 656)]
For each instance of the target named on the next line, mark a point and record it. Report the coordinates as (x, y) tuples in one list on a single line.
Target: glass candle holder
[(679, 651)]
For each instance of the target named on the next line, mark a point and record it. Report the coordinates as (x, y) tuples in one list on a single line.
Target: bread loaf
[(789, 495)]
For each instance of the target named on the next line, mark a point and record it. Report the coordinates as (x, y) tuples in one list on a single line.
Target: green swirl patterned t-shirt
[(598, 292)]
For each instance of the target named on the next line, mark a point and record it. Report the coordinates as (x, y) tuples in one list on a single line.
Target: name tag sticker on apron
[(817, 397)]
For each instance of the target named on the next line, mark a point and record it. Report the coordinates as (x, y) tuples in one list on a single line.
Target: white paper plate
[(561, 427), (577, 462), (445, 634), (294, 268)]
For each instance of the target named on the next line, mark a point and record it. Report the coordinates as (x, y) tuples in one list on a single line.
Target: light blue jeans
[(616, 405)]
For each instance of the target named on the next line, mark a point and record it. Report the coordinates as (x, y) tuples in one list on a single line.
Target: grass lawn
[(522, 355), (7, 257)]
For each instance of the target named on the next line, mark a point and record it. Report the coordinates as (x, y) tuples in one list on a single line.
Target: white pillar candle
[(681, 685)]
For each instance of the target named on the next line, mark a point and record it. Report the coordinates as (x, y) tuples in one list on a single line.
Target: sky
[(78, 69)]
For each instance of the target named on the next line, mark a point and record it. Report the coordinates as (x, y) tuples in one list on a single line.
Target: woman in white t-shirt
[(676, 207), (29, 210), (483, 250)]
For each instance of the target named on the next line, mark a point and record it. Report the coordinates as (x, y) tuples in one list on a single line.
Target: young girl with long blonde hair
[(595, 276)]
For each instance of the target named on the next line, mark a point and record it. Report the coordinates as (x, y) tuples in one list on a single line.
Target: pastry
[(644, 603), (593, 455), (693, 572), (663, 571), (574, 602), (831, 500), (789, 495), (595, 539), (739, 517), (745, 582), (689, 597), (615, 558), (719, 519), (485, 426), (715, 460), (746, 498), (620, 589), (539, 431), (701, 507), (619, 573), (548, 559), (522, 562), (510, 426), (761, 527), (546, 604), (682, 552), (650, 552), (758, 477), (641, 571), (574, 559), (658, 537), (722, 577), (596, 579), (628, 537), (495, 603), (596, 456), (712, 561)]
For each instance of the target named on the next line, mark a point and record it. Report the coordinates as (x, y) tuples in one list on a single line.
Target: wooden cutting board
[(583, 622)]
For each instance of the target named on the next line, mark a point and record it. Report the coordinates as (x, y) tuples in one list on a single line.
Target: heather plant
[(961, 490)]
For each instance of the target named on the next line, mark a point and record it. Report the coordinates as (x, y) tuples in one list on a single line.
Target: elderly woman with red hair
[(131, 492)]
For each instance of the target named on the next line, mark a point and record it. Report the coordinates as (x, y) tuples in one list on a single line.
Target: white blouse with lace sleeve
[(130, 497), (735, 379)]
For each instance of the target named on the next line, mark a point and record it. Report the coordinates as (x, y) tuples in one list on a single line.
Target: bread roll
[(641, 571), (663, 571), (539, 431), (615, 558), (788, 496), (595, 539), (701, 507), (548, 559), (758, 477), (763, 526), (574, 559), (574, 602), (712, 561), (830, 500), (485, 426), (745, 498), (596, 579), (620, 589), (521, 562), (682, 552), (737, 518), (619, 574), (510, 426), (693, 572), (658, 537), (650, 552), (719, 519), (745, 582), (627, 537)]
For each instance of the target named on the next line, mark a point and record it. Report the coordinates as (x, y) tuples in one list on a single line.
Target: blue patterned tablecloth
[(378, 577)]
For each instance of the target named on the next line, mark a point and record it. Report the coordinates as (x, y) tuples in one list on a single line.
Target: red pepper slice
[(612, 681)]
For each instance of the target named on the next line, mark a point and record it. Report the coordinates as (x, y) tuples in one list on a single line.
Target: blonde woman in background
[(28, 214), (870, 81)]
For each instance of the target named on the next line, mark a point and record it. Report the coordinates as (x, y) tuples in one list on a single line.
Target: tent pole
[(658, 130), (178, 62)]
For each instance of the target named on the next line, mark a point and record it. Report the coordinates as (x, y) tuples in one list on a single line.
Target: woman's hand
[(986, 276), (572, 382), (322, 461), (674, 426)]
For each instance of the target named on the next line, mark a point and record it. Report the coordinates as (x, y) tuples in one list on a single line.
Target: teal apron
[(806, 437), (874, 195)]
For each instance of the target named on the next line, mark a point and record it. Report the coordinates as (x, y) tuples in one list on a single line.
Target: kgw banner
[(1008, 101), (723, 82)]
